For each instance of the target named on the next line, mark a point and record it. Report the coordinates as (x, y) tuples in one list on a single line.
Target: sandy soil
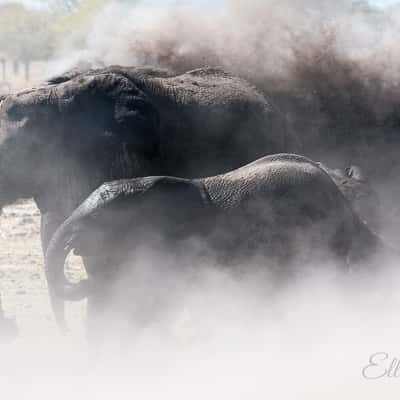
[(22, 283)]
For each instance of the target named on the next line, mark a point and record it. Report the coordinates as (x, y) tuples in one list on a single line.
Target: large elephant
[(81, 129), (63, 139), (283, 207)]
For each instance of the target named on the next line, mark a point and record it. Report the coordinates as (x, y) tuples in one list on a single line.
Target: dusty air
[(199, 199)]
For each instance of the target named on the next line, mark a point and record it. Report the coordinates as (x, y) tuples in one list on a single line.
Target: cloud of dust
[(207, 333), (332, 68), (261, 40)]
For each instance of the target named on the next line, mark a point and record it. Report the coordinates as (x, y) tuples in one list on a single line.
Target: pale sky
[(210, 3), (384, 2)]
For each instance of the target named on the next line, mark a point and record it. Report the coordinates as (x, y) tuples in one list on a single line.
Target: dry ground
[(22, 283)]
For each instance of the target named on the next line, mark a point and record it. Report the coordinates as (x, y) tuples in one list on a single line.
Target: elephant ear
[(178, 205), (109, 105)]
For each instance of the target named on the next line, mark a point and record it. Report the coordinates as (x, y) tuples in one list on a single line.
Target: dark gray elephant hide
[(282, 209)]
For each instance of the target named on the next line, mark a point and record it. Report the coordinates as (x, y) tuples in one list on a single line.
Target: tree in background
[(25, 35), (73, 21), (28, 34), (56, 30)]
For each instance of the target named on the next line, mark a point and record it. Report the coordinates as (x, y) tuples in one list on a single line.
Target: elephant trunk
[(60, 288)]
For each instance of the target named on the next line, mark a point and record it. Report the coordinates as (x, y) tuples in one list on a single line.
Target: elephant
[(283, 208), (62, 139)]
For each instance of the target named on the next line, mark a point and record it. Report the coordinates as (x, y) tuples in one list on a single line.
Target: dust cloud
[(333, 68), (197, 330)]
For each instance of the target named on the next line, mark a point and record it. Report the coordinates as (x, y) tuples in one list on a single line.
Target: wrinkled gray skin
[(61, 140), (283, 207)]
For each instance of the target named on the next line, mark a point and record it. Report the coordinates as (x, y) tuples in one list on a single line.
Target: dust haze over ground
[(334, 71), (200, 332)]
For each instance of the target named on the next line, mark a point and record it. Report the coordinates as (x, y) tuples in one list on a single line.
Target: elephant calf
[(283, 207)]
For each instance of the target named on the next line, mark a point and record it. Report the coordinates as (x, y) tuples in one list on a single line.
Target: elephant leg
[(97, 307), (49, 224)]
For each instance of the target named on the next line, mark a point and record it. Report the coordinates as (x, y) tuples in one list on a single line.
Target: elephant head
[(171, 206), (57, 130), (58, 142)]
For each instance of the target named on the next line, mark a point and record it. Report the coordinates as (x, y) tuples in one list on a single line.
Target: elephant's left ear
[(110, 109), (178, 203), (137, 122)]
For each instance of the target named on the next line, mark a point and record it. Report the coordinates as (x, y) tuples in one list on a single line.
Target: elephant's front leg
[(49, 223)]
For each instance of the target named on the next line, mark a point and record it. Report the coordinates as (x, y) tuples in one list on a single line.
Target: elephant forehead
[(110, 84), (78, 83)]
